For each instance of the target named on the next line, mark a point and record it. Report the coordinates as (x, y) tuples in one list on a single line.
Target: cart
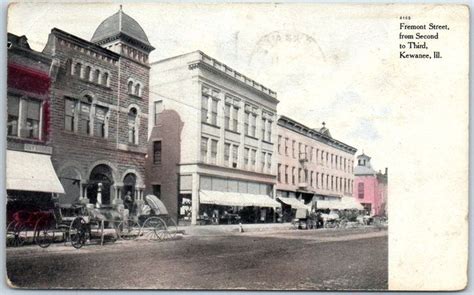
[(153, 224)]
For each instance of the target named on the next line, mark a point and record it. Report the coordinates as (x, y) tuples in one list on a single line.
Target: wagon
[(154, 223)]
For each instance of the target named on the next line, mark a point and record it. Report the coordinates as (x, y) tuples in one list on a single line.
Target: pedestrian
[(128, 202)]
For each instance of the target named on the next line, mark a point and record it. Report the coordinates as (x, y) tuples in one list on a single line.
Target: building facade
[(311, 165), (31, 178), (99, 110), (212, 137), (370, 187)]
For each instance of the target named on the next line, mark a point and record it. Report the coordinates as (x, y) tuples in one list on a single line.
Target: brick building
[(31, 178), (370, 186), (99, 110), (313, 166), (212, 139)]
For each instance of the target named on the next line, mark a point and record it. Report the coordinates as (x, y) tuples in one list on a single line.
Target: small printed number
[(405, 17)]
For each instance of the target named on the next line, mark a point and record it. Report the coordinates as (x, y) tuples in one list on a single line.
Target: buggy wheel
[(171, 227), (128, 229), (154, 229), (78, 232), (16, 234), (44, 232)]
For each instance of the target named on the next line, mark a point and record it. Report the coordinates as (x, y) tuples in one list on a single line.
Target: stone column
[(195, 199)]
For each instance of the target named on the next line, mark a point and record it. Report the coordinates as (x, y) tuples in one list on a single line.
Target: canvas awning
[(294, 203), (31, 172), (344, 203), (236, 199)]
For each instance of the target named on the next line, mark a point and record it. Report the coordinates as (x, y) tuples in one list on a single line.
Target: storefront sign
[(38, 148)]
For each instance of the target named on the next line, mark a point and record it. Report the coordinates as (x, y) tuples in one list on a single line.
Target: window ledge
[(94, 83), (250, 136), (212, 125), (232, 131), (268, 142), (134, 96)]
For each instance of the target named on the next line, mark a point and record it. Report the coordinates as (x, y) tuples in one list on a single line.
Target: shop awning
[(294, 203), (236, 199), (31, 172), (344, 203)]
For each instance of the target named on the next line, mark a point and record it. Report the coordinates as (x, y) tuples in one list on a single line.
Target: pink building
[(370, 187)]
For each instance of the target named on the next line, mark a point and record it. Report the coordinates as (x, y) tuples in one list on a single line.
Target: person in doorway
[(128, 202), (263, 215)]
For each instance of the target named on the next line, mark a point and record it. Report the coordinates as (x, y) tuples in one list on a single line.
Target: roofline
[(85, 43), (110, 38), (21, 50), (337, 144), (227, 72)]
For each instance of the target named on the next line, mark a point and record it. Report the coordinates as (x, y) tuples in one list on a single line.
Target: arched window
[(96, 76), (138, 89), (77, 69), (130, 87), (105, 79), (132, 126), (87, 73)]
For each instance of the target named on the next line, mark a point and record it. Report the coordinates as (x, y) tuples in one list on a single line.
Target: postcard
[(237, 146)]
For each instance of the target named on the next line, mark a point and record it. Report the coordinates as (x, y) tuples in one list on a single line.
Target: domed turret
[(121, 28)]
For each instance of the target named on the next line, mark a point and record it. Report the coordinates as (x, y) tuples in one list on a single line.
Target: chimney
[(386, 171)]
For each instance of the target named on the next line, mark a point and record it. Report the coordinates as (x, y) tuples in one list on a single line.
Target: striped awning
[(236, 199)]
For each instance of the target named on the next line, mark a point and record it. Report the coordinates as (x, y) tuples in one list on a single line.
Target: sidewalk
[(223, 229)]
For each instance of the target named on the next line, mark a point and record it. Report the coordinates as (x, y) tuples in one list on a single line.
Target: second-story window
[(279, 173), (157, 152), (132, 126), (77, 69), (130, 87), (235, 155), (214, 111), (286, 173), (214, 151), (33, 119), (360, 190), (96, 76), (269, 162), (204, 149), (204, 108), (69, 114), (246, 158), (84, 118), (253, 158), (100, 128), (138, 89), (227, 154), (87, 73), (13, 115), (105, 79), (227, 108)]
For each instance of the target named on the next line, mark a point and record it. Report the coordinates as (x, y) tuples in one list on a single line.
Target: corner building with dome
[(98, 116)]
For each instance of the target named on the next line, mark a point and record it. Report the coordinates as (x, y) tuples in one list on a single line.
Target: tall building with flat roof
[(212, 138), (311, 164)]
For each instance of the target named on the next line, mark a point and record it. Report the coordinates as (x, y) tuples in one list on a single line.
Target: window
[(293, 176), (235, 155), (279, 144), (246, 123), (13, 115), (262, 161), (311, 154), (33, 119), (253, 125), (87, 73), (132, 126), (360, 190), (332, 182), (158, 110), (85, 118), (214, 151), (214, 112), (69, 117), (269, 131), (300, 176), (317, 180), (99, 122), (264, 124), (96, 76), (204, 108), (246, 158), (311, 179), (279, 173), (286, 146), (293, 148), (235, 119), (105, 79), (322, 181), (227, 108), (204, 149), (286, 173), (130, 87), (227, 154), (253, 160), (138, 89), (77, 69), (157, 152), (269, 162)]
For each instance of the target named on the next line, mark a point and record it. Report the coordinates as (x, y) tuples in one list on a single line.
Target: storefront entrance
[(100, 174)]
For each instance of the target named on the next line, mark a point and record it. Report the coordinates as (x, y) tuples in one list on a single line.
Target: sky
[(339, 64), (310, 57)]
